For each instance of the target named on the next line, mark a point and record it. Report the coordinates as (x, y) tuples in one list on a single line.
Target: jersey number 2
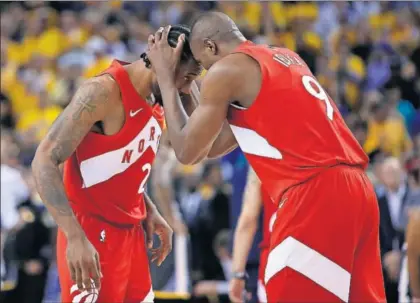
[(147, 168), (309, 83)]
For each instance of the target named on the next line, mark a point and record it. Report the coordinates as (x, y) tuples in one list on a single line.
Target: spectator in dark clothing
[(212, 215), (218, 288), (409, 82), (32, 253), (6, 114), (415, 57), (393, 198)]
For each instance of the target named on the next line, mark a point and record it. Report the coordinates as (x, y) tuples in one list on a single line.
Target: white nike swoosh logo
[(132, 114)]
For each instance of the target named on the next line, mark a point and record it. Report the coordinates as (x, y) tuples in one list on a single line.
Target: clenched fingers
[(159, 254)]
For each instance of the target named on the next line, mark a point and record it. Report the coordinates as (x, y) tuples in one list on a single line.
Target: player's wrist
[(71, 227), (240, 275), (166, 77), (75, 234)]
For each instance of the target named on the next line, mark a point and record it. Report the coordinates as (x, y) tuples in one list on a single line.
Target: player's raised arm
[(192, 138), (245, 233), (87, 107), (225, 141)]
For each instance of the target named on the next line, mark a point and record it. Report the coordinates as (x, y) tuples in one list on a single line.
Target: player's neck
[(141, 77), (229, 47)]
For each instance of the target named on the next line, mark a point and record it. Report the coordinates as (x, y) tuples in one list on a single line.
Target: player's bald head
[(213, 25), (213, 36)]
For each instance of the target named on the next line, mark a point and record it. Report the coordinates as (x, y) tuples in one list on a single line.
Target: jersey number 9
[(314, 88)]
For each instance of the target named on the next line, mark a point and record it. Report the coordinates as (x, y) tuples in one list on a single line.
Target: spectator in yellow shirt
[(350, 73), (97, 47), (74, 34), (387, 133)]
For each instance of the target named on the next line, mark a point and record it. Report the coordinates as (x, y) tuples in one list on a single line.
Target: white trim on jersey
[(310, 263), (150, 297), (403, 285), (103, 167), (252, 143), (261, 292)]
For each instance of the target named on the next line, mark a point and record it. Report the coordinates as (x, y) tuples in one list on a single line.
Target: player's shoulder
[(104, 82), (234, 68), (101, 89)]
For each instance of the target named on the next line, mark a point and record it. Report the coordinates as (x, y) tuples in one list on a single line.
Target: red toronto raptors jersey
[(269, 216), (106, 175), (293, 130)]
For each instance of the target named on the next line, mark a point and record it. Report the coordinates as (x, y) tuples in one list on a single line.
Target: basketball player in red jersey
[(107, 138), (324, 247), (254, 200)]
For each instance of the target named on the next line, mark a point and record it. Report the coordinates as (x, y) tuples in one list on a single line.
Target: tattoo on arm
[(64, 136), (66, 133)]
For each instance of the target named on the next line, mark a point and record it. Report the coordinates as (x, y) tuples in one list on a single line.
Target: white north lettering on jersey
[(103, 167)]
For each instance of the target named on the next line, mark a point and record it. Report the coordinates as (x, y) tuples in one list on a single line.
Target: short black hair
[(174, 33)]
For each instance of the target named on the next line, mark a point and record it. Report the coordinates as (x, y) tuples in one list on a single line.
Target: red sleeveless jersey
[(106, 175), (293, 130), (269, 216)]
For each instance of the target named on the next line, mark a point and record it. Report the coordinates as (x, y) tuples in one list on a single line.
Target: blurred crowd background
[(365, 54)]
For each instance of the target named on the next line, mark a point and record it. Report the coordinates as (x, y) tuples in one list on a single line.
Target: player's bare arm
[(226, 141), (87, 107), (192, 138), (245, 232), (163, 190), (413, 254)]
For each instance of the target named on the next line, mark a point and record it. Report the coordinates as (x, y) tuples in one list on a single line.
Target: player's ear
[(210, 46)]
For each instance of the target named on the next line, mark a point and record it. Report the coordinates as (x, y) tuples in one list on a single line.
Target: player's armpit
[(87, 106)]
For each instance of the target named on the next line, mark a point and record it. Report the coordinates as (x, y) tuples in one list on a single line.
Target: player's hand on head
[(155, 224), (83, 263), (163, 57)]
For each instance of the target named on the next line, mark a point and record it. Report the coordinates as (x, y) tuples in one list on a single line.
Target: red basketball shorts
[(325, 243), (124, 264)]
